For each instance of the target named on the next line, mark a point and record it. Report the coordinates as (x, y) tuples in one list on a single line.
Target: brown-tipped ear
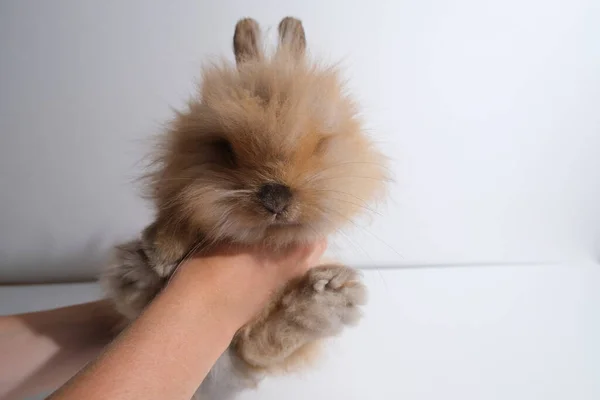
[(246, 41), (292, 37)]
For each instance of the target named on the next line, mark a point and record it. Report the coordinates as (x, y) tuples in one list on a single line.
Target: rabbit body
[(271, 151)]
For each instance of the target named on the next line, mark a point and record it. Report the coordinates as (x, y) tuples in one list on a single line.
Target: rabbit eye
[(225, 152), (322, 145)]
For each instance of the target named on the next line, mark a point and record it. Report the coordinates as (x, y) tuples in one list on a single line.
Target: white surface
[(473, 333), (489, 108)]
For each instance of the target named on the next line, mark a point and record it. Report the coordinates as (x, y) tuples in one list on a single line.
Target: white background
[(489, 109), (482, 333)]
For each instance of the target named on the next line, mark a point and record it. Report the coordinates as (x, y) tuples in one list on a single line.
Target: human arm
[(41, 350), (169, 349)]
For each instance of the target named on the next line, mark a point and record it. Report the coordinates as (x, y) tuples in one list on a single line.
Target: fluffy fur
[(278, 121)]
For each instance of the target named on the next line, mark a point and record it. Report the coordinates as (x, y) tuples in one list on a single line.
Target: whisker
[(357, 162), (186, 257), (176, 179), (342, 164), (388, 180), (364, 207), (358, 205), (340, 192), (208, 239), (365, 230), (353, 244)]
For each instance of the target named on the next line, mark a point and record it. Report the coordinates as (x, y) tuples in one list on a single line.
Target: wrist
[(227, 288)]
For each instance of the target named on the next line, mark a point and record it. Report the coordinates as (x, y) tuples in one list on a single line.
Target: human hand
[(278, 267), (246, 277)]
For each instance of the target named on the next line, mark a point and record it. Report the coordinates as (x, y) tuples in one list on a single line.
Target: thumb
[(316, 252)]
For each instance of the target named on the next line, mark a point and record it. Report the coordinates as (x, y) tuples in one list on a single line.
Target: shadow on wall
[(43, 267)]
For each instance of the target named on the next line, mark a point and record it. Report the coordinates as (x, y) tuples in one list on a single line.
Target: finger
[(316, 252)]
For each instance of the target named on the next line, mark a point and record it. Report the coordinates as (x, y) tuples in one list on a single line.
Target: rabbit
[(271, 151)]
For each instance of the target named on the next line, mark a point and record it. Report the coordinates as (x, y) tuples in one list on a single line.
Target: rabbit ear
[(292, 37), (246, 41)]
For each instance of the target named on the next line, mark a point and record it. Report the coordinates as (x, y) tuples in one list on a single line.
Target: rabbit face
[(271, 150)]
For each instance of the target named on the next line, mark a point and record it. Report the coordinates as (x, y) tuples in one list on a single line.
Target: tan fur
[(318, 305), (278, 119)]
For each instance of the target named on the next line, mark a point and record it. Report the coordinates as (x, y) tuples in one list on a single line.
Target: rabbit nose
[(274, 197)]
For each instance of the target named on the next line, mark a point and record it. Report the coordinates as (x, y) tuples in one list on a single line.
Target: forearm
[(169, 349), (42, 350)]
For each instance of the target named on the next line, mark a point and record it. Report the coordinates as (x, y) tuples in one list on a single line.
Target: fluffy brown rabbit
[(272, 150)]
